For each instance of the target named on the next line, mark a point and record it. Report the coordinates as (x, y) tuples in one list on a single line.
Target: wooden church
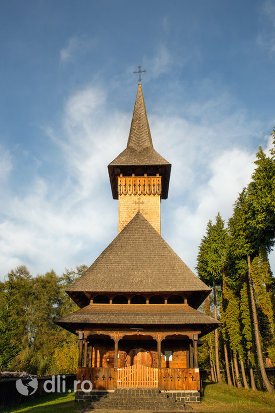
[(138, 324)]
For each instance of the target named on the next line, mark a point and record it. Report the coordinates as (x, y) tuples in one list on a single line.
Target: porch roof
[(139, 314)]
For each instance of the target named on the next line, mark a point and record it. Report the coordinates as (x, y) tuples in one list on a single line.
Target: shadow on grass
[(50, 403), (203, 387)]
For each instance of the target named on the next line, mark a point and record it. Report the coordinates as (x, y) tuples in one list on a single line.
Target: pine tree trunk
[(243, 374), (216, 337), (266, 382), (212, 359), (233, 374), (238, 381), (229, 381), (212, 364), (251, 373), (211, 368)]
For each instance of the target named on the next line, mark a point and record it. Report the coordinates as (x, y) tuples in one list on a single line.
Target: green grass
[(220, 398), (217, 398), (48, 404)]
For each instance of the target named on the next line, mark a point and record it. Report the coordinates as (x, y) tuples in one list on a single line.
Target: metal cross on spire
[(139, 71)]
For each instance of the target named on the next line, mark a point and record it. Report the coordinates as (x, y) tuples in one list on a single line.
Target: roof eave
[(164, 171)]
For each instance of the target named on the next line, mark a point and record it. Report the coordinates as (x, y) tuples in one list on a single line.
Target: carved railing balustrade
[(139, 185)]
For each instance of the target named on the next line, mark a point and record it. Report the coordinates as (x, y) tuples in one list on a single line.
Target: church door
[(138, 371), (141, 357)]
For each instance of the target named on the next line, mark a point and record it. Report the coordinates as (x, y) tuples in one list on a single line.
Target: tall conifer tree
[(210, 267)]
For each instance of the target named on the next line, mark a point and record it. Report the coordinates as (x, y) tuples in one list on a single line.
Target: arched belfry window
[(138, 299), (120, 299), (101, 299), (175, 299), (156, 299)]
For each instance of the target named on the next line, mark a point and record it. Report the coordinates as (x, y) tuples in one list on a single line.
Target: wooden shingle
[(139, 260)]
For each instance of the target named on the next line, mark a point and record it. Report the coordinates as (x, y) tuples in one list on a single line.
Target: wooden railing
[(139, 185), (106, 378), (137, 376), (102, 378), (179, 379)]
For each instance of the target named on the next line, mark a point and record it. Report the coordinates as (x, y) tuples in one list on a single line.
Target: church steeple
[(139, 157), (139, 176), (140, 135)]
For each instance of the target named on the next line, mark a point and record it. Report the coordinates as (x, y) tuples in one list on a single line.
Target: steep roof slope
[(139, 260)]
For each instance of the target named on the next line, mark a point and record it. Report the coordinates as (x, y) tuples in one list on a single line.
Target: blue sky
[(67, 95)]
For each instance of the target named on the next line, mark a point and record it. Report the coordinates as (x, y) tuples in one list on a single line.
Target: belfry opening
[(138, 322)]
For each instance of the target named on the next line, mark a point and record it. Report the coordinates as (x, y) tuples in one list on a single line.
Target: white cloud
[(58, 225), (76, 45), (67, 52), (230, 172), (266, 35), (159, 63), (51, 225), (269, 9), (5, 163)]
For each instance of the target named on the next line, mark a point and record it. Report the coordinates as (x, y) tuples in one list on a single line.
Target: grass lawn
[(217, 398), (48, 404), (220, 398)]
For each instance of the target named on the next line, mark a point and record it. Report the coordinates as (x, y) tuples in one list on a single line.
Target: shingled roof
[(140, 151), (139, 260), (139, 315)]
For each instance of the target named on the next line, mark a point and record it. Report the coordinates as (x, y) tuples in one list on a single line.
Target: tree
[(245, 308), (225, 333), (246, 239), (263, 283), (29, 339), (210, 266), (233, 329)]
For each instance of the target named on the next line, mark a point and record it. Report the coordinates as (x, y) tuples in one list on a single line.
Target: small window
[(168, 355)]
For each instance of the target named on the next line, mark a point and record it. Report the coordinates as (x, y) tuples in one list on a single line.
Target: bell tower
[(139, 176)]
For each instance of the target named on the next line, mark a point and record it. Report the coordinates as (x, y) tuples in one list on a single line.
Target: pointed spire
[(140, 135), (139, 157)]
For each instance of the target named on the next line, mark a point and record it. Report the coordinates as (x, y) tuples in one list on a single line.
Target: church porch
[(164, 361)]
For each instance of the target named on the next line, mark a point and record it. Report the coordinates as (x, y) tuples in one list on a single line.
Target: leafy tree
[(15, 308), (29, 339)]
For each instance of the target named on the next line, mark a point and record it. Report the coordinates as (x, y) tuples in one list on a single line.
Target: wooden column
[(159, 340), (85, 352), (116, 353), (90, 354), (80, 348), (98, 356), (188, 357), (191, 355), (195, 341)]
